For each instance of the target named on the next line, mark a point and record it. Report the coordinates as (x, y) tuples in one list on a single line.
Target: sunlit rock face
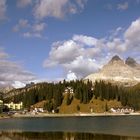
[(116, 70)]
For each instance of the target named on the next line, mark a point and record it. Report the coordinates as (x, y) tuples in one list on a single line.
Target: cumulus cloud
[(57, 9), (23, 3), (123, 6), (116, 45), (78, 55), (3, 8), (132, 34), (71, 76), (63, 52), (83, 55), (128, 42), (11, 71), (82, 66), (90, 41), (73, 55)]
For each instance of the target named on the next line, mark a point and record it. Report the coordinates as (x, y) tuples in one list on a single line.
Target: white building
[(122, 110), (69, 90), (1, 102), (1, 106), (14, 106)]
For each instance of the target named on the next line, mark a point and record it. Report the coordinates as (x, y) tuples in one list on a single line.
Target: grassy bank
[(94, 106)]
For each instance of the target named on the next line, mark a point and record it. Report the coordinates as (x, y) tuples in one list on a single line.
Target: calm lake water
[(71, 128)]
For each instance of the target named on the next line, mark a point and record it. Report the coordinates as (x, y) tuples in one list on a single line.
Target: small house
[(69, 90)]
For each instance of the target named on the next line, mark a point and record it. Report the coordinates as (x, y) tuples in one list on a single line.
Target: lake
[(71, 128)]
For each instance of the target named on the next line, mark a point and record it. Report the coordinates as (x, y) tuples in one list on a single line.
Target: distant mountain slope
[(14, 92), (6, 89), (117, 70)]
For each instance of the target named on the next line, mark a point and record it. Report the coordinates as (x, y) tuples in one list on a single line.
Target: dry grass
[(97, 105), (40, 104)]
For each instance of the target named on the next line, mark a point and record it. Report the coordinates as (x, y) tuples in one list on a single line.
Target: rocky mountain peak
[(118, 70), (131, 62), (116, 58)]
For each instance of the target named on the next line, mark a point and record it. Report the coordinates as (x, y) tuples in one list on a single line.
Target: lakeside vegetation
[(99, 97)]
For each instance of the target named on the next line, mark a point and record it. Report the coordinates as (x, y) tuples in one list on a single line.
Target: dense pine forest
[(53, 93)]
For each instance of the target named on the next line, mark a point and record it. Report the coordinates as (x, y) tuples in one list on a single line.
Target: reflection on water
[(60, 136), (71, 128)]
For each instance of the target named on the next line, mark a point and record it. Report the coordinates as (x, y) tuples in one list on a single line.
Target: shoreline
[(41, 115), (46, 115)]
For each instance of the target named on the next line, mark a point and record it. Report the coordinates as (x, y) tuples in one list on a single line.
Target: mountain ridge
[(118, 70)]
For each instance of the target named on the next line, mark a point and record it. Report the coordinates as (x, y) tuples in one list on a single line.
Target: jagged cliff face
[(117, 70)]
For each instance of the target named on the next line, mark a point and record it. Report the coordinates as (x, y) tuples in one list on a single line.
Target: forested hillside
[(53, 94)]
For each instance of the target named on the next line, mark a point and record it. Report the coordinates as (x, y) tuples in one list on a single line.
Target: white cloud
[(57, 9), (71, 76), (132, 34), (63, 52), (116, 45), (3, 8), (36, 31), (52, 8), (132, 40), (39, 27), (91, 52), (11, 71), (22, 23), (23, 3), (18, 84), (81, 3), (30, 30), (125, 40), (83, 55), (122, 6), (82, 66), (90, 41), (68, 51), (32, 35), (116, 33), (128, 43), (76, 55), (42, 9)]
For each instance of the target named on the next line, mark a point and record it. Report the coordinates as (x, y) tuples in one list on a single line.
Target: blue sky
[(48, 40)]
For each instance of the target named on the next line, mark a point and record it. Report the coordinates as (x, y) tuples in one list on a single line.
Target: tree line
[(128, 96), (83, 91)]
